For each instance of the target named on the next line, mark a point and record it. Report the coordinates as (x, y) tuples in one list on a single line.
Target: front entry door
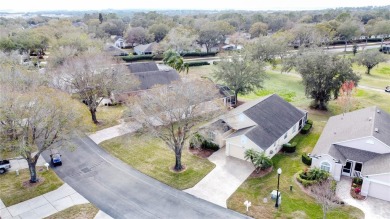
[(347, 168)]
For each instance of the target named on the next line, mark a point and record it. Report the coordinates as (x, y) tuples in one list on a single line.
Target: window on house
[(285, 135), (325, 166), (294, 128)]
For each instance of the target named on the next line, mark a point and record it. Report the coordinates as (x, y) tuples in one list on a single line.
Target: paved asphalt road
[(123, 192)]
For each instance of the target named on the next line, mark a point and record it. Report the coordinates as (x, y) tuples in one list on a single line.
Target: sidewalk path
[(19, 163), (44, 205), (114, 131)]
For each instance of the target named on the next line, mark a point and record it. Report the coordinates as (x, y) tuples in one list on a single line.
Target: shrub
[(209, 145), (309, 121), (357, 190), (137, 58), (317, 174), (357, 181), (196, 141), (198, 54), (190, 64), (305, 182), (306, 159), (306, 129), (290, 148), (215, 62)]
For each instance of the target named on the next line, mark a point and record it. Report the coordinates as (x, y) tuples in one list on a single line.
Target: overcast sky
[(39, 5)]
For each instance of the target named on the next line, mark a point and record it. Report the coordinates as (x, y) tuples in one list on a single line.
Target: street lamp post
[(277, 191)]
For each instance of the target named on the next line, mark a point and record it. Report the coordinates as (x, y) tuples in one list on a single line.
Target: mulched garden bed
[(203, 153), (261, 173)]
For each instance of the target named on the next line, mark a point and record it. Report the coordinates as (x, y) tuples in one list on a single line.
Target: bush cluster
[(306, 159), (305, 182), (209, 145), (309, 177), (190, 64), (306, 128), (290, 148), (357, 181), (137, 58), (198, 54)]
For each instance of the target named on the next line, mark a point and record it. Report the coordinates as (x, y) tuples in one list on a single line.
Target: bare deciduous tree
[(93, 76), (171, 112), (33, 118), (325, 194)]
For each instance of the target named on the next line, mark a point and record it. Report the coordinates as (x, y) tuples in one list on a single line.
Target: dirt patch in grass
[(261, 173), (84, 211), (203, 153), (13, 188)]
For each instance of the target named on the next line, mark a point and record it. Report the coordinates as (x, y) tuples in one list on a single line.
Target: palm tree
[(260, 160), (175, 60)]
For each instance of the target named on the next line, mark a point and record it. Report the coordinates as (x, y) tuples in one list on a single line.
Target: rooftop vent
[(369, 118), (378, 111), (376, 130)]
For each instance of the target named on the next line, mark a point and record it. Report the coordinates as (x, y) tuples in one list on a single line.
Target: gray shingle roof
[(145, 48), (152, 78), (274, 117), (142, 67), (352, 154), (353, 125)]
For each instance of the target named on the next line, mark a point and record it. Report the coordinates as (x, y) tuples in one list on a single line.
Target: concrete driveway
[(372, 207), (223, 180)]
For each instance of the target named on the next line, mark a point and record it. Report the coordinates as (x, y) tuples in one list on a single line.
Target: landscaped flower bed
[(356, 188)]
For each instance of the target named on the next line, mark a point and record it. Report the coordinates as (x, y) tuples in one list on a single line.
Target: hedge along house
[(357, 144), (263, 125)]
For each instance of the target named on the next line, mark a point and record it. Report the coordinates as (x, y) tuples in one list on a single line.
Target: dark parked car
[(385, 49), (387, 89), (55, 157)]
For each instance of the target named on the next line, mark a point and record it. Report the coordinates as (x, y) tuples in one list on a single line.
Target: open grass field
[(152, 157), (14, 189)]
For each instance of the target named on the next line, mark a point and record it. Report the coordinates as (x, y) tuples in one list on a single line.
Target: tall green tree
[(240, 73), (159, 31), (370, 59), (322, 74), (348, 30)]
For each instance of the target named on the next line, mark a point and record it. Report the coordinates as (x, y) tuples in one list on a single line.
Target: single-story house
[(120, 42), (116, 51), (357, 144), (263, 125), (144, 49), (149, 74), (229, 99)]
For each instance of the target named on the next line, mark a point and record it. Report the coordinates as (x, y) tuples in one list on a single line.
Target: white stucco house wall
[(263, 125), (357, 144)]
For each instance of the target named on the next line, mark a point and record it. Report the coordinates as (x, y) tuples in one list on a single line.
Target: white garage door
[(380, 191), (237, 151)]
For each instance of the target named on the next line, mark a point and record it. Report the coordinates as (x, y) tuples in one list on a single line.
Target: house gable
[(369, 143), (239, 121)]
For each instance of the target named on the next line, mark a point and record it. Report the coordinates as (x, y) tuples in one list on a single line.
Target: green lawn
[(85, 211), (295, 204), (379, 76), (107, 116), (12, 190), (152, 157)]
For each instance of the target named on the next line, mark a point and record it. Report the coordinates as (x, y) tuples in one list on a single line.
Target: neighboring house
[(357, 144), (229, 99), (144, 49), (149, 74), (115, 51), (120, 42), (231, 47), (263, 125)]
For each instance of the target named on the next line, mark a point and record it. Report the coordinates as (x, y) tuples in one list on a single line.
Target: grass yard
[(12, 190), (152, 157), (295, 204), (107, 116), (379, 76), (85, 211)]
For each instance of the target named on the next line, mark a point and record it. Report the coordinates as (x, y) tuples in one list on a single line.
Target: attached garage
[(379, 190), (236, 151)]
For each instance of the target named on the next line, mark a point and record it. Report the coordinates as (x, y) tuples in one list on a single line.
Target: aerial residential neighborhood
[(205, 109)]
